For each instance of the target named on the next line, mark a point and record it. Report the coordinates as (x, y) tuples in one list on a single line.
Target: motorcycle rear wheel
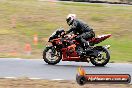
[(97, 61), (48, 58)]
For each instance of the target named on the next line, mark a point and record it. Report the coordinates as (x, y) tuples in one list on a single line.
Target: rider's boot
[(87, 48), (81, 53)]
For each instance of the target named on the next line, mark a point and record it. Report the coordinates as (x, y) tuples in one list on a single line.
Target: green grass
[(42, 18), (119, 50)]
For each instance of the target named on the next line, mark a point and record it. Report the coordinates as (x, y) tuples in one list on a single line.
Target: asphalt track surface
[(15, 67)]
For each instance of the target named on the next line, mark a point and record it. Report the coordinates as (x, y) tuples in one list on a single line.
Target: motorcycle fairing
[(99, 39), (70, 56)]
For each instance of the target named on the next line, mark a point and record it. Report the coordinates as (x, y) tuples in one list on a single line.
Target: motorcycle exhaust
[(107, 46)]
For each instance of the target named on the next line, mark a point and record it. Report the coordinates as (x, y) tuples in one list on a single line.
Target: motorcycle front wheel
[(102, 59), (51, 56)]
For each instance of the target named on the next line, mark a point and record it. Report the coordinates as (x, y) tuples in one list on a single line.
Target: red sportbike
[(65, 48)]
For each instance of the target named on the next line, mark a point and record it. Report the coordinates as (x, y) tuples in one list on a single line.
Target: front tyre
[(102, 59), (51, 56)]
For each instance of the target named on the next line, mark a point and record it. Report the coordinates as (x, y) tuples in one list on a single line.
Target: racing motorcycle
[(64, 47)]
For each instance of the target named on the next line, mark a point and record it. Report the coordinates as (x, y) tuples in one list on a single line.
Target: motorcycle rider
[(83, 31)]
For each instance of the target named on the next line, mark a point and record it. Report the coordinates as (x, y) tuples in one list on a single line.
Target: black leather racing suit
[(84, 32)]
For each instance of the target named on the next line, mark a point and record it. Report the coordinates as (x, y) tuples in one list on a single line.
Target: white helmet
[(70, 18)]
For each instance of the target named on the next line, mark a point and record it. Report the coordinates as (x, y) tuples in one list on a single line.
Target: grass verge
[(42, 18)]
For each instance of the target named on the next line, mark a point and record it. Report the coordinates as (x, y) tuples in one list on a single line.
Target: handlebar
[(70, 36)]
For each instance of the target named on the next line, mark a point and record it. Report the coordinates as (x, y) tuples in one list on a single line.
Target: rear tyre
[(102, 59), (51, 56)]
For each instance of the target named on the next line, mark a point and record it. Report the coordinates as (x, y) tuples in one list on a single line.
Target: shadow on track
[(76, 65)]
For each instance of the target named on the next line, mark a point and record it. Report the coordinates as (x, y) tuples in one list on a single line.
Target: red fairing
[(73, 56), (100, 38), (70, 57), (69, 53)]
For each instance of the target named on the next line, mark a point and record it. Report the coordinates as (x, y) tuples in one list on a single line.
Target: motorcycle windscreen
[(54, 35)]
